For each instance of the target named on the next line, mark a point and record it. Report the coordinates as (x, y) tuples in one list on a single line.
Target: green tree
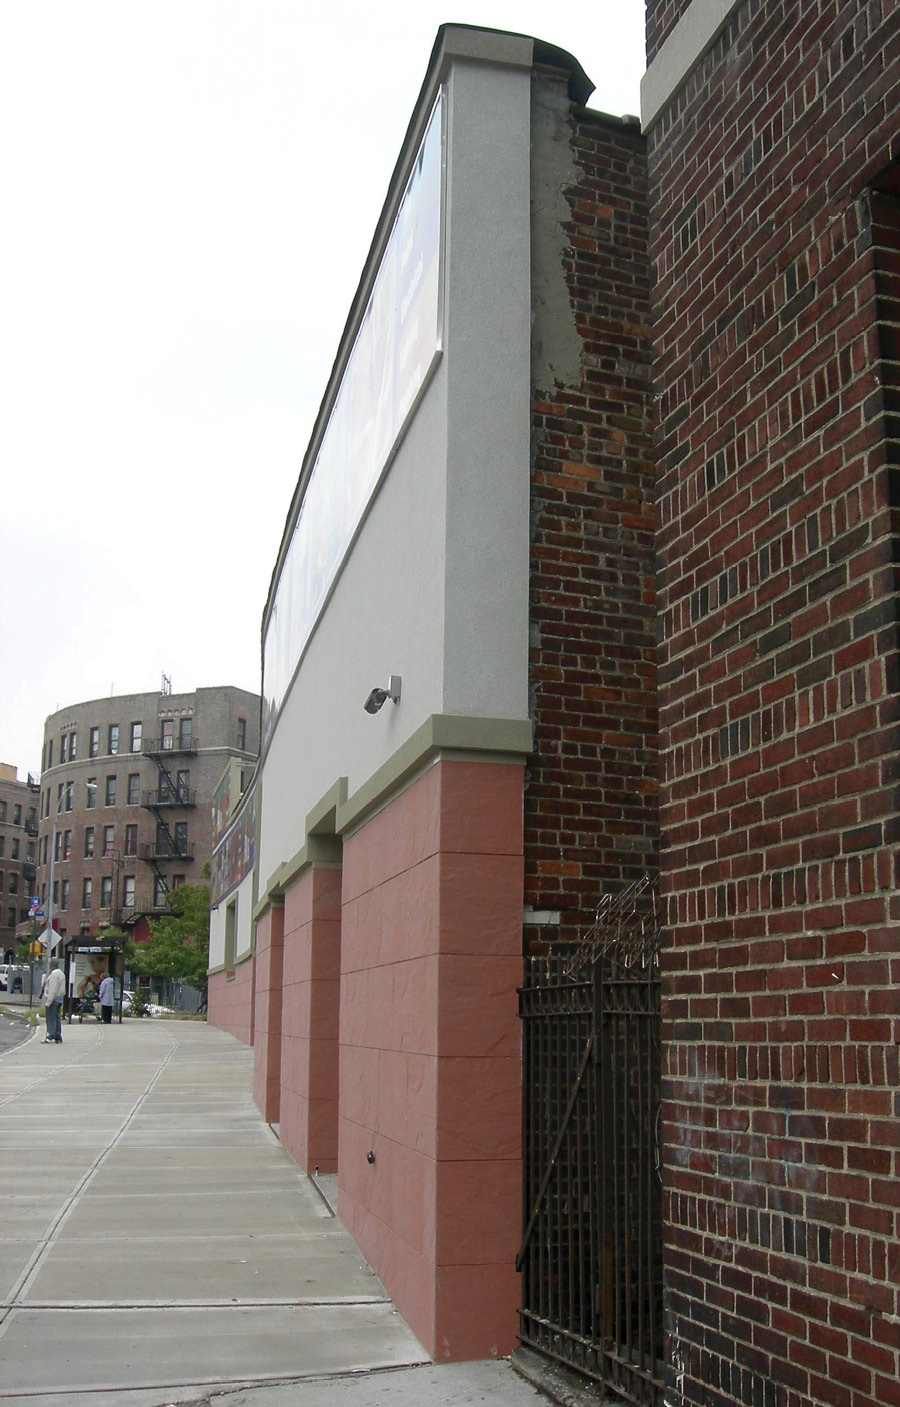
[(179, 940)]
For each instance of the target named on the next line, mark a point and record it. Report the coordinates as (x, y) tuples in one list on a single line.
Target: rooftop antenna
[(166, 685)]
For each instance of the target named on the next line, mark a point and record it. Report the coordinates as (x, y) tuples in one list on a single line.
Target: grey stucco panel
[(436, 586), (555, 343), (487, 352), (695, 33)]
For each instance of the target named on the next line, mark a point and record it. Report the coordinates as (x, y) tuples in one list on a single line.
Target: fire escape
[(169, 803)]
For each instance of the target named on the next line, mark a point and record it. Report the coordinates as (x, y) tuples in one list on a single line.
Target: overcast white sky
[(189, 190)]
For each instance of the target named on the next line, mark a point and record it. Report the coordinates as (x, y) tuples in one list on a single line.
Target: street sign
[(35, 901), (36, 913)]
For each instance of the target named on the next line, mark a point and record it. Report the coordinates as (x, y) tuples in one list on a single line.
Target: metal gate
[(591, 1257)]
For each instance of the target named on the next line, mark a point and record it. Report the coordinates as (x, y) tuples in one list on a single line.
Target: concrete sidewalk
[(161, 1247)]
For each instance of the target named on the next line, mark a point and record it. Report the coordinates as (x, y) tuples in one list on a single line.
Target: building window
[(3, 811), (184, 732), (134, 788), (11, 916), (109, 840), (113, 739), (14, 883), (87, 893), (73, 746), (168, 734), (160, 893), (89, 842), (67, 845), (110, 791), (50, 753), (70, 795), (29, 852), (162, 839), (94, 743), (55, 893), (131, 840), (106, 892), (230, 934), (57, 847), (137, 730), (2, 845), (45, 844), (242, 734), (62, 747), (184, 787), (91, 793), (65, 895), (128, 892), (14, 850), (181, 838)]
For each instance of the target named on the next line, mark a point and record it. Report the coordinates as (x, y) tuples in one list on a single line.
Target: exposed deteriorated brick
[(776, 243), (591, 794)]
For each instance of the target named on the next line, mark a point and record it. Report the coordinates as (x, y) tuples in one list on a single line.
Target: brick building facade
[(128, 784), (772, 129), (18, 855)]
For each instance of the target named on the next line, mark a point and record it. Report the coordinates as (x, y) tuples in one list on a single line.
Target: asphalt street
[(14, 1029)]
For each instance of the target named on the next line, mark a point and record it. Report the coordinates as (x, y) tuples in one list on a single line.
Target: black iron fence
[(591, 1256)]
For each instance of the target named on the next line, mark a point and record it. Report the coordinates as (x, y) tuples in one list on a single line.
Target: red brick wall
[(778, 694), (591, 792)]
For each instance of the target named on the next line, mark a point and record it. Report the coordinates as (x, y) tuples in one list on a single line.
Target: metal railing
[(154, 746), (591, 1256), (151, 851), (179, 796)]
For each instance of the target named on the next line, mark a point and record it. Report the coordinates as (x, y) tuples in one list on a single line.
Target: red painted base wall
[(267, 1014), (309, 1039), (230, 1002), (430, 1059)]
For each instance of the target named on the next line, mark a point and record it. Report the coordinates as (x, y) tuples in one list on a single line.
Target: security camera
[(375, 700), (378, 696)]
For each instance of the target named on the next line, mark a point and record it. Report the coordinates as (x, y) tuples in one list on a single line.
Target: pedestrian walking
[(54, 991), (107, 999)]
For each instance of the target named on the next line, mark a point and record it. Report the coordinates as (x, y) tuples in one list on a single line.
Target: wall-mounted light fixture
[(378, 696)]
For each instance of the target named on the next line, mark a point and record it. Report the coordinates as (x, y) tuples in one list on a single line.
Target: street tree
[(178, 947)]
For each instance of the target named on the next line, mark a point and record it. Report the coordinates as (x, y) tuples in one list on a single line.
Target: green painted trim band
[(479, 739), (484, 740)]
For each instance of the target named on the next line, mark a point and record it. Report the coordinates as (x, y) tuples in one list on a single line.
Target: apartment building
[(126, 797), (18, 853)]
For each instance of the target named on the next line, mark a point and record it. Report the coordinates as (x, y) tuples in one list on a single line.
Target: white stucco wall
[(436, 586), (243, 897)]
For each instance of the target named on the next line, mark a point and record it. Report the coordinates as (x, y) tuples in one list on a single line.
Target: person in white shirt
[(107, 999), (54, 991)]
